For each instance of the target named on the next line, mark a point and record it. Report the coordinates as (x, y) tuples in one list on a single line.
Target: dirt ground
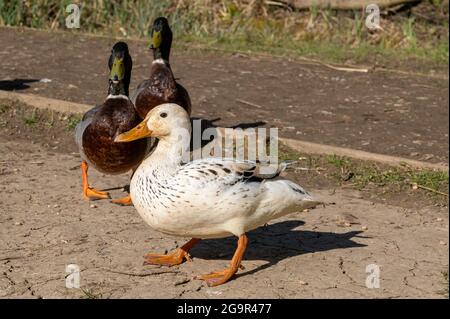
[(46, 225), (388, 113)]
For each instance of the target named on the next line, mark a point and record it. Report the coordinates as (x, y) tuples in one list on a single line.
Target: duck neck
[(169, 154), (119, 89), (162, 52)]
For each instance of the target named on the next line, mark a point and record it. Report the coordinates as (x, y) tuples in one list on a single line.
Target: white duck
[(205, 198)]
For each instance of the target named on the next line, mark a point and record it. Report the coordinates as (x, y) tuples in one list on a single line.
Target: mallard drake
[(99, 126), (161, 86), (204, 198)]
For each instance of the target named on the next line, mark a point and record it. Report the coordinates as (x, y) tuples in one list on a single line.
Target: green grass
[(251, 26), (359, 175), (90, 294), (31, 120), (370, 173), (430, 179), (338, 161), (72, 122)]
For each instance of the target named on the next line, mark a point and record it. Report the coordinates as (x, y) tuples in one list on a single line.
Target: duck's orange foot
[(173, 259), (221, 277), (218, 277), (125, 201), (90, 193)]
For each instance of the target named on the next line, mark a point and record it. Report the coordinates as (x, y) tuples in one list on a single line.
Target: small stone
[(439, 219), (364, 228), (56, 206), (306, 210), (414, 186), (442, 242), (93, 206), (303, 283)]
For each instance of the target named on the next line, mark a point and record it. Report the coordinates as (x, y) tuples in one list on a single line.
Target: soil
[(399, 114), (323, 253)]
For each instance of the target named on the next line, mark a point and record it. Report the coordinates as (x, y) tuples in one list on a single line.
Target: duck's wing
[(81, 127), (230, 171), (183, 98), (144, 84)]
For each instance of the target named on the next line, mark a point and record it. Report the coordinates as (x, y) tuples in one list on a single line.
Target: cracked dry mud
[(45, 225)]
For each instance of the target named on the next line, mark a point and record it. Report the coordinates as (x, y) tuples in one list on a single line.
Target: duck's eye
[(163, 114)]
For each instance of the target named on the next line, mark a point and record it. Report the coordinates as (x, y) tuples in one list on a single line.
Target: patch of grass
[(338, 162), (287, 156), (31, 120), (364, 173), (430, 179), (254, 26), (90, 294), (348, 172), (409, 33), (72, 122)]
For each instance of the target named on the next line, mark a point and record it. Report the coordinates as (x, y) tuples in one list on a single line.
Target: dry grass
[(251, 25)]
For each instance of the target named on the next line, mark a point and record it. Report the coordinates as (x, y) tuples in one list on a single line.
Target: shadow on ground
[(16, 84), (276, 242)]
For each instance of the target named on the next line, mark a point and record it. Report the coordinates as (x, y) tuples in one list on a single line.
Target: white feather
[(211, 197)]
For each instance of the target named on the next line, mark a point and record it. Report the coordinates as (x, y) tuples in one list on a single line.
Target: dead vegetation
[(416, 29)]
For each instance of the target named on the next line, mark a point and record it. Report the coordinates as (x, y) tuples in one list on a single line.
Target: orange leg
[(90, 193), (125, 201), (172, 259), (221, 277)]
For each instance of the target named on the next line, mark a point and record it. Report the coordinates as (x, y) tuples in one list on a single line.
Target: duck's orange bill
[(140, 131)]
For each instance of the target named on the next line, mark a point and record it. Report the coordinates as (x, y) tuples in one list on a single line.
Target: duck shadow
[(277, 242), (16, 84)]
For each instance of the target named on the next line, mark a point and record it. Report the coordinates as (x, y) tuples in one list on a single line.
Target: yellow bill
[(138, 132), (117, 70), (156, 39)]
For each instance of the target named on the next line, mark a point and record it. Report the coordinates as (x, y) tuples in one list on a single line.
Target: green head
[(120, 65), (161, 39)]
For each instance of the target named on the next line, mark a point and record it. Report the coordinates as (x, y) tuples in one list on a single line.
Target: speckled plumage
[(210, 197)]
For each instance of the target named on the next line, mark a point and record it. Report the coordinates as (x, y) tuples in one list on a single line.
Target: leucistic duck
[(161, 86), (95, 133), (204, 198)]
